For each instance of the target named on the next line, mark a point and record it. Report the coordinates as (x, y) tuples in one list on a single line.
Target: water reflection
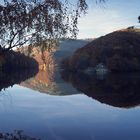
[(49, 82), (119, 90), (11, 78), (43, 82), (75, 117)]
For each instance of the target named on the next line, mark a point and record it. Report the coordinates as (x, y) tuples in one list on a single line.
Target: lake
[(69, 106), (53, 104)]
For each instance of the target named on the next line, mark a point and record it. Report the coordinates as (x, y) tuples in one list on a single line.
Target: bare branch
[(42, 20)]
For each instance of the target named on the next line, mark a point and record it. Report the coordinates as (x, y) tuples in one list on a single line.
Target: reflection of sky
[(75, 117)]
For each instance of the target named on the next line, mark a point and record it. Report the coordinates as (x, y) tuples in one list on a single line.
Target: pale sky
[(105, 18)]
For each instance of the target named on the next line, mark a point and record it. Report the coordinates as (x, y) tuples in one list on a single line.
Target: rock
[(44, 58), (117, 52)]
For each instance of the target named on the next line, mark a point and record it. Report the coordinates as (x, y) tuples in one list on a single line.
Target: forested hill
[(117, 51)]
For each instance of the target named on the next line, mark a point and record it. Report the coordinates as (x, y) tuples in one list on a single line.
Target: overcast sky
[(105, 18)]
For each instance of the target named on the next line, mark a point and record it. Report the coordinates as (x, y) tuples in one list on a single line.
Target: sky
[(105, 18)]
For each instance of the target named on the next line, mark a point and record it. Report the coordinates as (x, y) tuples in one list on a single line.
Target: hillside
[(12, 60), (118, 52), (48, 79), (68, 47)]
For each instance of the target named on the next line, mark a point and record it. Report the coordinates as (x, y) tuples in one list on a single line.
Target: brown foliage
[(118, 51)]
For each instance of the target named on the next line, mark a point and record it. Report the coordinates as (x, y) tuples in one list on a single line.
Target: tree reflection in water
[(119, 90), (16, 135), (10, 78)]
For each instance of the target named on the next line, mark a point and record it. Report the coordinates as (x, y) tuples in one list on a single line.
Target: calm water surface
[(90, 110)]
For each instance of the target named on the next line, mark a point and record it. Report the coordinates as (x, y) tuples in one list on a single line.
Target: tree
[(16, 135), (23, 22), (139, 19)]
